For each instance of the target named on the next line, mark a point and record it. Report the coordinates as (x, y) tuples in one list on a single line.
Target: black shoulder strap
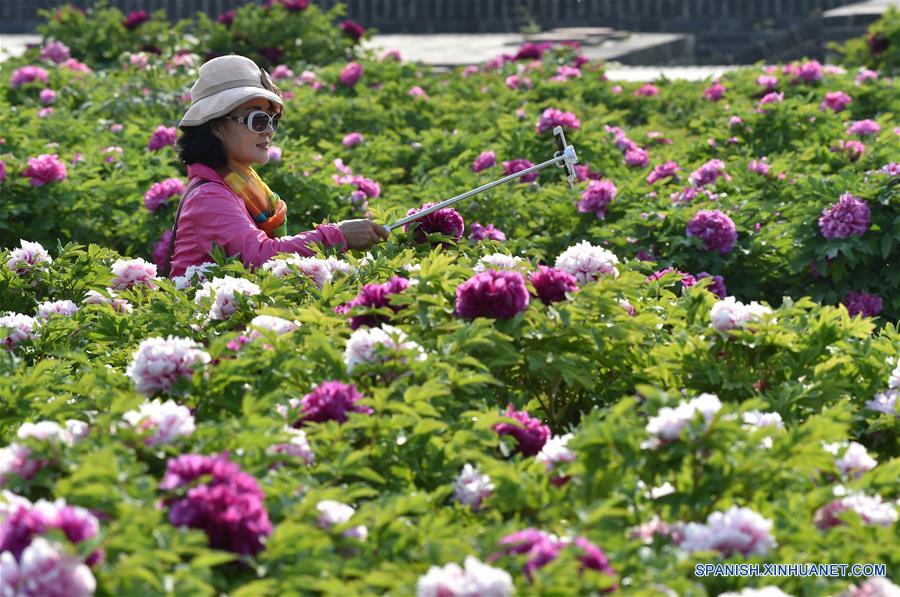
[(167, 264)]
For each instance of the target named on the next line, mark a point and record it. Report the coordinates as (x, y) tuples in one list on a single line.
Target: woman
[(235, 109)]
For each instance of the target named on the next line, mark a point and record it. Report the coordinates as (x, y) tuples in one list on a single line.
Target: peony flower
[(229, 506), (28, 74), (647, 90), (160, 192), (92, 297), (863, 304), (850, 216), (131, 272), (855, 461), (471, 487), (354, 30), (276, 325), (707, 173), (16, 462), (479, 232), (715, 229), (476, 579), (513, 166), (28, 258), (161, 249), (852, 149), (318, 270), (274, 153), (717, 286), (165, 421), (872, 510), (556, 451), (597, 197), (328, 401), (280, 72), (47, 569), (543, 548), (485, 160), (443, 221), (492, 293), (298, 447), (158, 363), (714, 92), (587, 262), (636, 157), (767, 81), (223, 293), (375, 296), (76, 66), (553, 117), (350, 74), (531, 434), (391, 54), (552, 284), (162, 137), (730, 313), (44, 169), (352, 139), (866, 75), (498, 261), (666, 170), (47, 96), (737, 530), (667, 425), (2, 170), (836, 101), (63, 308), (333, 513), (863, 128), (113, 154), (364, 344), (55, 51), (810, 72), (418, 92), (21, 328), (134, 19), (771, 98), (759, 166), (873, 587)]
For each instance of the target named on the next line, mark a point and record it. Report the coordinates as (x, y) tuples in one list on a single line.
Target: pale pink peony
[(498, 261), (667, 425), (158, 363), (587, 262), (162, 137), (333, 513), (297, 447), (737, 530), (352, 139), (730, 313), (282, 71), (55, 51), (363, 344), (16, 461), (44, 169), (863, 128), (21, 328), (163, 422), (187, 279), (320, 271), (45, 569), (65, 308), (29, 257), (92, 297), (472, 487), (47, 96), (556, 451), (866, 75), (131, 272), (270, 323), (223, 293), (418, 92), (877, 586), (274, 153), (872, 510), (855, 461), (475, 580)]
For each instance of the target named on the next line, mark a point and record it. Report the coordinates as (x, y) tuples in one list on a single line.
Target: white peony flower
[(187, 278), (855, 461), (319, 270), (21, 328), (159, 362), (297, 447), (223, 291), (471, 487), (29, 257), (666, 426), (555, 451), (274, 324), (498, 261), (476, 580), (736, 530), (587, 262), (363, 342), (334, 513), (730, 313), (166, 420), (64, 308)]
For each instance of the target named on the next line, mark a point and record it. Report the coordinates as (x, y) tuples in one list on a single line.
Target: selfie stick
[(564, 158)]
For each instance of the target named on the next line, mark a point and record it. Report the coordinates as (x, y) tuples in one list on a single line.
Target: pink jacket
[(213, 213)]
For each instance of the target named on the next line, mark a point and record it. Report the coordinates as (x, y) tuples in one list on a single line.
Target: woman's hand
[(362, 234)]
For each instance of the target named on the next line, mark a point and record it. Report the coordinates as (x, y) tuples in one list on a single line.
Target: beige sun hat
[(225, 83)]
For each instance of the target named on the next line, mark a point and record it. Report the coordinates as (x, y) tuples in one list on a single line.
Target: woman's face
[(242, 146)]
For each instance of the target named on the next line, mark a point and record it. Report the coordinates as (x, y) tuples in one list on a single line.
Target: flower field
[(690, 358)]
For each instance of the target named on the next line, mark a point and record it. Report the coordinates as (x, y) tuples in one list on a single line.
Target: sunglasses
[(258, 121)]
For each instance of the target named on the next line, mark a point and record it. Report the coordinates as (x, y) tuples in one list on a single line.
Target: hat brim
[(224, 102)]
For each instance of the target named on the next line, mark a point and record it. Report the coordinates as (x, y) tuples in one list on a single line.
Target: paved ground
[(454, 50)]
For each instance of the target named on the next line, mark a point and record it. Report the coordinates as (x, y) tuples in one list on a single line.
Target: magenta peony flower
[(417, 91), (444, 221), (850, 216), (853, 149), (552, 284), (290, 5), (531, 434), (376, 296), (836, 101), (499, 294), (862, 303), (160, 192), (28, 74), (354, 30), (489, 232), (583, 173), (866, 75), (352, 139), (717, 287), (637, 157), (714, 92), (647, 90), (864, 128), (44, 169), (513, 166), (329, 401), (759, 166), (597, 197), (684, 279), (540, 547), (56, 52), (350, 74), (161, 249), (229, 506), (810, 72), (47, 96), (226, 18), (707, 173), (162, 137), (134, 19), (715, 229), (666, 170), (484, 161), (771, 98), (532, 51), (553, 117), (2, 170), (767, 81)]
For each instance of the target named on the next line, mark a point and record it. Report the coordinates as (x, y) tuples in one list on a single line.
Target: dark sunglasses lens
[(259, 122)]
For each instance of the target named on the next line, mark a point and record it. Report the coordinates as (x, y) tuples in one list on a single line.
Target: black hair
[(197, 144)]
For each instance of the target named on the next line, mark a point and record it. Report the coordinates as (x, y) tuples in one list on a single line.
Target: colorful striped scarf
[(266, 208)]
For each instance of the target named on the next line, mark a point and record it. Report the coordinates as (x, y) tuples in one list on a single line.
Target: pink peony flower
[(443, 221), (45, 569), (555, 452), (553, 117), (767, 81), (471, 487), (492, 293), (394, 55), (865, 75), (708, 173), (350, 74), (873, 510), (730, 313), (76, 66), (365, 343), (223, 293), (714, 92), (64, 308), (667, 426), (92, 297), (637, 157), (836, 101), (597, 197), (55, 51), (810, 72), (131, 272), (587, 262), (531, 434), (647, 90), (771, 98), (583, 173), (44, 169), (274, 153), (850, 216), (542, 548), (476, 579), (298, 447), (329, 401), (513, 166), (489, 232), (759, 166), (158, 363), (333, 513), (47, 96), (229, 506), (715, 229), (281, 72), (864, 128), (162, 137), (418, 92), (666, 170), (352, 139), (855, 461), (852, 149), (485, 160), (21, 328), (552, 284), (160, 192), (863, 304), (29, 257), (318, 270), (28, 74), (163, 422), (737, 530), (375, 296)]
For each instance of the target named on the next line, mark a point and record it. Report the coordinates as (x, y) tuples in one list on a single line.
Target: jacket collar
[(204, 172)]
